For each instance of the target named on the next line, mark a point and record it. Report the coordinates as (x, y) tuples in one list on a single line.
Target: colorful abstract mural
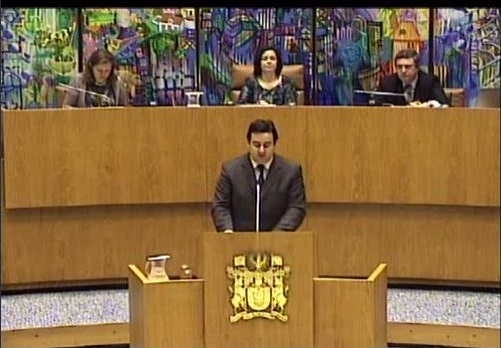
[(155, 50), (163, 53), (467, 50), (233, 36), (39, 50), (355, 48)]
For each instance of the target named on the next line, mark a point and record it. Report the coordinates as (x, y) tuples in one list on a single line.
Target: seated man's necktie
[(409, 93)]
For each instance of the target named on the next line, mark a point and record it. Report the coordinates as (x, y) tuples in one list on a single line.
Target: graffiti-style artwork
[(233, 36), (39, 50), (155, 50), (355, 48), (467, 52), (160, 62)]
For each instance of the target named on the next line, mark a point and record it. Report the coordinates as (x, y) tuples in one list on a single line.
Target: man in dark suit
[(283, 198), (417, 86)]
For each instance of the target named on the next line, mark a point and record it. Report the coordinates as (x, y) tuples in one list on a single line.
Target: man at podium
[(259, 190)]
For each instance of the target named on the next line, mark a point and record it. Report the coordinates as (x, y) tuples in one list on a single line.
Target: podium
[(351, 312), (165, 313), (258, 290), (296, 248)]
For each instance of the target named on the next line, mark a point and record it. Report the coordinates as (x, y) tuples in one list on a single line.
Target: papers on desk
[(428, 104), (255, 105)]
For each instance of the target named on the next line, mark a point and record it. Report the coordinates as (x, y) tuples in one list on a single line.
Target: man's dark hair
[(408, 53), (262, 126), (258, 71)]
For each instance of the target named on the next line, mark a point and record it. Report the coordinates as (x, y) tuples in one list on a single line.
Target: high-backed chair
[(488, 98), (239, 72), (456, 96)]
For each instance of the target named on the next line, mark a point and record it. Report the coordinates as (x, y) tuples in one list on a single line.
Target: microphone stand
[(65, 87), (377, 93), (258, 206)]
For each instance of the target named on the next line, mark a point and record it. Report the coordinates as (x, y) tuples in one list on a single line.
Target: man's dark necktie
[(408, 92), (260, 180)]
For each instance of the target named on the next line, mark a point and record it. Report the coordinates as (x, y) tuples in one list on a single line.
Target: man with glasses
[(416, 86)]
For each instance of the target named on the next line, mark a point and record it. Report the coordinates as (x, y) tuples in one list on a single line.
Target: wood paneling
[(103, 156), (67, 336), (297, 252), (444, 335), (89, 243), (164, 155), (351, 312), (420, 243), (403, 155), (165, 314), (108, 334), (427, 242), (415, 188)]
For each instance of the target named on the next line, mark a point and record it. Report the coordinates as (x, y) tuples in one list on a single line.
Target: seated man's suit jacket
[(283, 198), (427, 88)]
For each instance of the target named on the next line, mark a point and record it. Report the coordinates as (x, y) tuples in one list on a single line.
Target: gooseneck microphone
[(64, 87), (372, 94), (359, 91)]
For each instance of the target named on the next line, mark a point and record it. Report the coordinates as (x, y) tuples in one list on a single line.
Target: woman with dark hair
[(98, 85), (268, 85)]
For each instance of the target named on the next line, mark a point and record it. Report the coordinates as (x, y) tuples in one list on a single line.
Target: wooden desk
[(173, 155), (415, 188), (59, 158)]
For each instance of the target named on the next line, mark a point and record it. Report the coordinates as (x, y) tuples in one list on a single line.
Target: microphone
[(259, 184), (377, 93), (68, 88), (380, 93), (258, 206)]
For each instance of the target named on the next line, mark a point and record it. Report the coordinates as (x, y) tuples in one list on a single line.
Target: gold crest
[(259, 289)]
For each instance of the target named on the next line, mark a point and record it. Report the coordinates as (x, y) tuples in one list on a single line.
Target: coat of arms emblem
[(259, 288)]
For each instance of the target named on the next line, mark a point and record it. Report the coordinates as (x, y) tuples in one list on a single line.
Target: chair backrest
[(456, 96), (239, 72), (488, 98)]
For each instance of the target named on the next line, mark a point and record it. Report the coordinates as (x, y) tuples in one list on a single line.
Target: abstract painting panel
[(163, 53), (467, 49), (39, 50), (234, 35), (155, 49), (355, 48)]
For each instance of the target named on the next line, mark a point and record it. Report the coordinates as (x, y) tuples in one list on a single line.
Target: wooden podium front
[(297, 252), (280, 305), (165, 313), (351, 312)]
